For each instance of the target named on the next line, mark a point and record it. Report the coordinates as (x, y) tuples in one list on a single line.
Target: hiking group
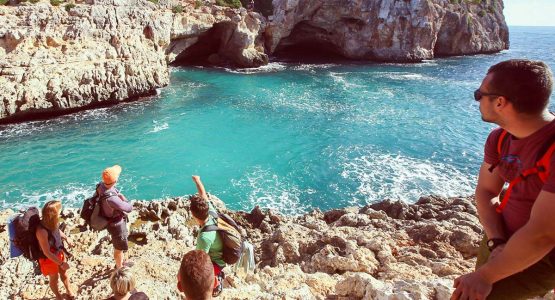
[(200, 276), (516, 259)]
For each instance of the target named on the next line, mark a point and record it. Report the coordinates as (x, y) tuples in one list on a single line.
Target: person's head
[(196, 275), (122, 281), (199, 208), (110, 175), (51, 214), (525, 85)]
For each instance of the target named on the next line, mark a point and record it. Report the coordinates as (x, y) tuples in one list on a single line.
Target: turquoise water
[(286, 136)]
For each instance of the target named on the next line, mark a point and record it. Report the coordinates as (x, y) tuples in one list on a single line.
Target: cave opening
[(206, 51), (308, 44)]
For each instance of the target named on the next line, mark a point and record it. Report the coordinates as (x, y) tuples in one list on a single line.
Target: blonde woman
[(123, 285), (50, 239)]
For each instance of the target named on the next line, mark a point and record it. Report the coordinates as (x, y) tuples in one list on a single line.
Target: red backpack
[(541, 167)]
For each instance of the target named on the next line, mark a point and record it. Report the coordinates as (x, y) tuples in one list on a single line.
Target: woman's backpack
[(24, 234), (230, 234)]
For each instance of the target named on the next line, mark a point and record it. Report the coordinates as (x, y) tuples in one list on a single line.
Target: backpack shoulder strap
[(209, 228), (213, 214), (544, 163), (500, 141)]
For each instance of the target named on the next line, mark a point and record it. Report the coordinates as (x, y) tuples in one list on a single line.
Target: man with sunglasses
[(516, 258)]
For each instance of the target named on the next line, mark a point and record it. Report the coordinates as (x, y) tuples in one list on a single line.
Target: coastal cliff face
[(389, 30), (57, 59), (54, 60), (387, 250)]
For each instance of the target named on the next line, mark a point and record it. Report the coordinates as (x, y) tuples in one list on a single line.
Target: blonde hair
[(122, 281), (51, 214)]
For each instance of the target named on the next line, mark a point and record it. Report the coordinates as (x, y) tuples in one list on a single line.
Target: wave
[(159, 126), (267, 190), (388, 176), (403, 76), (339, 78), (269, 68)]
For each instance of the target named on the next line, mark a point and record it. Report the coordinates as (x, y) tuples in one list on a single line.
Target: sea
[(288, 136)]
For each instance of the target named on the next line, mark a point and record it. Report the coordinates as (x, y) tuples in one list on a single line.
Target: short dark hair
[(199, 207), (197, 274), (527, 84)]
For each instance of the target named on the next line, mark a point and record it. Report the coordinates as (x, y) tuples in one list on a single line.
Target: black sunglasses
[(478, 95)]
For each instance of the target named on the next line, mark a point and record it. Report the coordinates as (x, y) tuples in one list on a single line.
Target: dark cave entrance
[(308, 44), (206, 51)]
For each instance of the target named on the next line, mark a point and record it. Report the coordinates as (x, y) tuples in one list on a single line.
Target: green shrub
[(69, 6), (177, 9), (482, 13), (4, 2), (34, 1), (154, 1), (198, 3), (491, 9), (229, 3), (56, 2), (455, 1), (474, 1)]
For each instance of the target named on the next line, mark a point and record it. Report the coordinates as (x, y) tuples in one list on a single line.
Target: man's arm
[(528, 245), (200, 187), (487, 193)]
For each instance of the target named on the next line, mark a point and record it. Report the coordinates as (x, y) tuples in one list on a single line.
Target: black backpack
[(230, 234), (25, 234), (89, 205)]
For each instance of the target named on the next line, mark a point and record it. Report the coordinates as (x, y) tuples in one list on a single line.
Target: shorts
[(48, 267), (217, 272), (118, 232), (535, 281)]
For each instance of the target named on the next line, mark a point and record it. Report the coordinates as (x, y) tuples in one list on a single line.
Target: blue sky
[(530, 12)]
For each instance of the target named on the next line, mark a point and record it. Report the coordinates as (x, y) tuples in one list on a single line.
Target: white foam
[(268, 190), (339, 78), (269, 68), (159, 126), (312, 67), (403, 76), (387, 176), (71, 196)]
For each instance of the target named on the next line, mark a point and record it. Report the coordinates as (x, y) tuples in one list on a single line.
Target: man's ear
[(179, 287), (501, 102)]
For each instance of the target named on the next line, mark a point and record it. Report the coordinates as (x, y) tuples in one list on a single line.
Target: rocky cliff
[(54, 59), (58, 59), (389, 30), (388, 250)]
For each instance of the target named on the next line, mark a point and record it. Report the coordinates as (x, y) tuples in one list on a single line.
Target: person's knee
[(63, 275), (53, 278)]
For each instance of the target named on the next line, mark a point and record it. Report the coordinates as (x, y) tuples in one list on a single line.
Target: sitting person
[(122, 283), (50, 241), (209, 241), (196, 276)]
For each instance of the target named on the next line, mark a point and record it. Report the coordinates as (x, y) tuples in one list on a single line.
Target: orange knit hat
[(110, 175)]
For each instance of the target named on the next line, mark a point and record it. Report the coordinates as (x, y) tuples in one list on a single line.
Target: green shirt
[(211, 242)]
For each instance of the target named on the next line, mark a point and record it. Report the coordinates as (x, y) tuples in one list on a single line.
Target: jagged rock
[(301, 257), (388, 30), (256, 216), (55, 61)]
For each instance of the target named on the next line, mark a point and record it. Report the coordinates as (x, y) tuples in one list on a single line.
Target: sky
[(529, 12)]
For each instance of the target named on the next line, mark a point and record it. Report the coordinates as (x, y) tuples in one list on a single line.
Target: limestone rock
[(387, 30)]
